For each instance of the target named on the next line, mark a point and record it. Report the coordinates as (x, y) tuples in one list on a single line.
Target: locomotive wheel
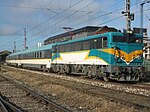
[(67, 69), (44, 68), (105, 77)]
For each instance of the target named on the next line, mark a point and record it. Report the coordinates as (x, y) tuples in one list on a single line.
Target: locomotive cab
[(127, 57)]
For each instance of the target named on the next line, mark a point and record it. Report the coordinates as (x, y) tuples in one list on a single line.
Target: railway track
[(101, 88), (6, 106), (25, 98), (139, 88)]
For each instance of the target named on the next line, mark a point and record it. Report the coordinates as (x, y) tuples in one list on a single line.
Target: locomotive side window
[(104, 42), (67, 47), (59, 48), (77, 46), (99, 45), (96, 43), (48, 54), (85, 45), (135, 40)]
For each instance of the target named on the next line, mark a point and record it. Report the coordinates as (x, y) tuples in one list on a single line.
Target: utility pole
[(25, 39), (129, 16), (142, 4), (14, 46)]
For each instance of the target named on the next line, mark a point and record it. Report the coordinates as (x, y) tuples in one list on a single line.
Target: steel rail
[(41, 97), (118, 99), (2, 106), (11, 106)]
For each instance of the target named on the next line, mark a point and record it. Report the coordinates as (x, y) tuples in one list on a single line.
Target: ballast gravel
[(76, 100)]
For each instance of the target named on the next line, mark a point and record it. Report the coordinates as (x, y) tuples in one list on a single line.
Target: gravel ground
[(120, 87), (73, 98)]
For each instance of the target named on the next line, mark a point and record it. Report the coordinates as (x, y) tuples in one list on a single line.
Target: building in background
[(3, 55), (146, 53), (146, 41), (79, 33)]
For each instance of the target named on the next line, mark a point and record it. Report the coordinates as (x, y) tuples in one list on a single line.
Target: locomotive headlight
[(133, 57), (122, 57), (140, 57)]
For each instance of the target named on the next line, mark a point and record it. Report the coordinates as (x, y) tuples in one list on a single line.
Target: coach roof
[(35, 49)]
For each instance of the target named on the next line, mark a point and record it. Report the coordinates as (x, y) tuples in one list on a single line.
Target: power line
[(114, 19), (68, 17), (16, 6), (61, 19), (88, 20), (55, 15), (147, 17), (40, 8)]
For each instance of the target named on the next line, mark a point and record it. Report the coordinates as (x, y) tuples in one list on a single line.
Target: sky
[(45, 18)]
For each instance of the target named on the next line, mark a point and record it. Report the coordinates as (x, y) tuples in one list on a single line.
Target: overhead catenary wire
[(88, 20), (54, 15), (62, 19), (147, 17), (73, 14), (111, 20), (45, 9)]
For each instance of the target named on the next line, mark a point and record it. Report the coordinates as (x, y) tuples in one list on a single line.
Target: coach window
[(85, 45), (40, 54), (77, 46), (35, 54), (28, 55), (45, 54), (104, 42)]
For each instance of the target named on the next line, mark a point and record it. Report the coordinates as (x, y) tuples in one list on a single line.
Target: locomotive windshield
[(127, 39), (119, 39), (135, 40)]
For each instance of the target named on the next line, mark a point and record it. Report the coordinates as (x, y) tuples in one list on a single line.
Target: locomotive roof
[(89, 37), (45, 47), (96, 36)]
